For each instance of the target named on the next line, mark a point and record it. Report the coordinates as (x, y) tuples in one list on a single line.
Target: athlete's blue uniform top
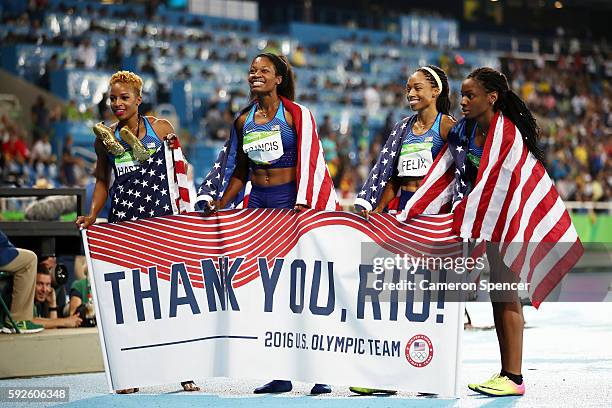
[(409, 138), (281, 196), (150, 141), (288, 136), (473, 158), (127, 163)]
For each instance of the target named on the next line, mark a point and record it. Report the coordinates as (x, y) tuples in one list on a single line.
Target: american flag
[(158, 187), (513, 202), (371, 191), (315, 188), (419, 346)]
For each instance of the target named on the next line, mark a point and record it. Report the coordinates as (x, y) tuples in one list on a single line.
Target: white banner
[(270, 294)]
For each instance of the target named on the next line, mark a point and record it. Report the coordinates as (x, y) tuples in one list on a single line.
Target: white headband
[(435, 75)]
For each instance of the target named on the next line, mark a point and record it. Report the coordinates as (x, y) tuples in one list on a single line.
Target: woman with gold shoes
[(121, 148)]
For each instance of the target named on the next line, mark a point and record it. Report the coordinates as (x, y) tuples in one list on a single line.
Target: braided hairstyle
[(512, 106), (443, 101), (283, 68)]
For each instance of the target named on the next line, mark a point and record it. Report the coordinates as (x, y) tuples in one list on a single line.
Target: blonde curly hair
[(127, 77)]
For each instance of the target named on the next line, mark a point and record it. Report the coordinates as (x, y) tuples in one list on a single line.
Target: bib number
[(415, 160), (263, 147), (126, 163)]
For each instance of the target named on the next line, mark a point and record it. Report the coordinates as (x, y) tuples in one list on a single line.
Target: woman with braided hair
[(492, 178), (484, 93)]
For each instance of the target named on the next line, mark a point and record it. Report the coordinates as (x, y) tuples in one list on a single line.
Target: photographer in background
[(59, 277), (45, 304), (81, 302)]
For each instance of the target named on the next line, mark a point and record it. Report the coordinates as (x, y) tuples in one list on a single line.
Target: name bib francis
[(415, 159), (263, 147)]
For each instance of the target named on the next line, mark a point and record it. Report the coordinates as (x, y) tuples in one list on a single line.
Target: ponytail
[(511, 106), (443, 101)]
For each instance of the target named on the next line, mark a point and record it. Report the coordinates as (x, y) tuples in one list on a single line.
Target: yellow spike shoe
[(140, 152), (105, 134)]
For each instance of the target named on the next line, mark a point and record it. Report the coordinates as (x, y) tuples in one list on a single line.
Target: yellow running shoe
[(501, 386), (138, 150), (110, 142), (473, 386), (371, 391)]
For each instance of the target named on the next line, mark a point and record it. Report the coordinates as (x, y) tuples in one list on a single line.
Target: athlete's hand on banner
[(84, 221), (213, 206), (300, 207), (366, 214), (171, 138)]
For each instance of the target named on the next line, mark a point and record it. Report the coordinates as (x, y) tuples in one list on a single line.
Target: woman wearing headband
[(409, 152), (270, 140), (413, 144)]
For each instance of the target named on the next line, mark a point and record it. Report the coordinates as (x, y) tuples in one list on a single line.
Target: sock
[(517, 378)]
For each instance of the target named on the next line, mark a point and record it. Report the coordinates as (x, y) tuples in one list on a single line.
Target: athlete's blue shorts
[(404, 197), (281, 196)]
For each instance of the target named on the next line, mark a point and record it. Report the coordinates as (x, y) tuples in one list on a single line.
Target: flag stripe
[(189, 238), (513, 202)]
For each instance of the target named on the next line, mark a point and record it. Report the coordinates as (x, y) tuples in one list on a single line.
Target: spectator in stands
[(45, 305), (149, 67), (71, 165), (114, 54), (86, 54), (371, 98), (72, 111), (42, 156), (214, 123), (21, 263), (326, 128), (298, 57), (52, 65), (16, 169), (184, 74), (354, 63), (15, 145), (40, 117), (103, 110)]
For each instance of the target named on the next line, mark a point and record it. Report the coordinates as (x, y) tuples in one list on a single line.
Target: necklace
[(481, 131), (262, 111), (137, 128), (137, 134), (422, 127)]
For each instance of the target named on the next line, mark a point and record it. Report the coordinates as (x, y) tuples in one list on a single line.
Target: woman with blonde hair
[(122, 148)]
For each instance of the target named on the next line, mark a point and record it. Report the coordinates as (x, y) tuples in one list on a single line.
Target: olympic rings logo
[(419, 355), (419, 351)]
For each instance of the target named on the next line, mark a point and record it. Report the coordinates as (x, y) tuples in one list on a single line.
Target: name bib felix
[(415, 159)]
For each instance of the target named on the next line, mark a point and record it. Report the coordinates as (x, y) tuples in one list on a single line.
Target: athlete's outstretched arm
[(100, 194), (238, 179), (240, 174)]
